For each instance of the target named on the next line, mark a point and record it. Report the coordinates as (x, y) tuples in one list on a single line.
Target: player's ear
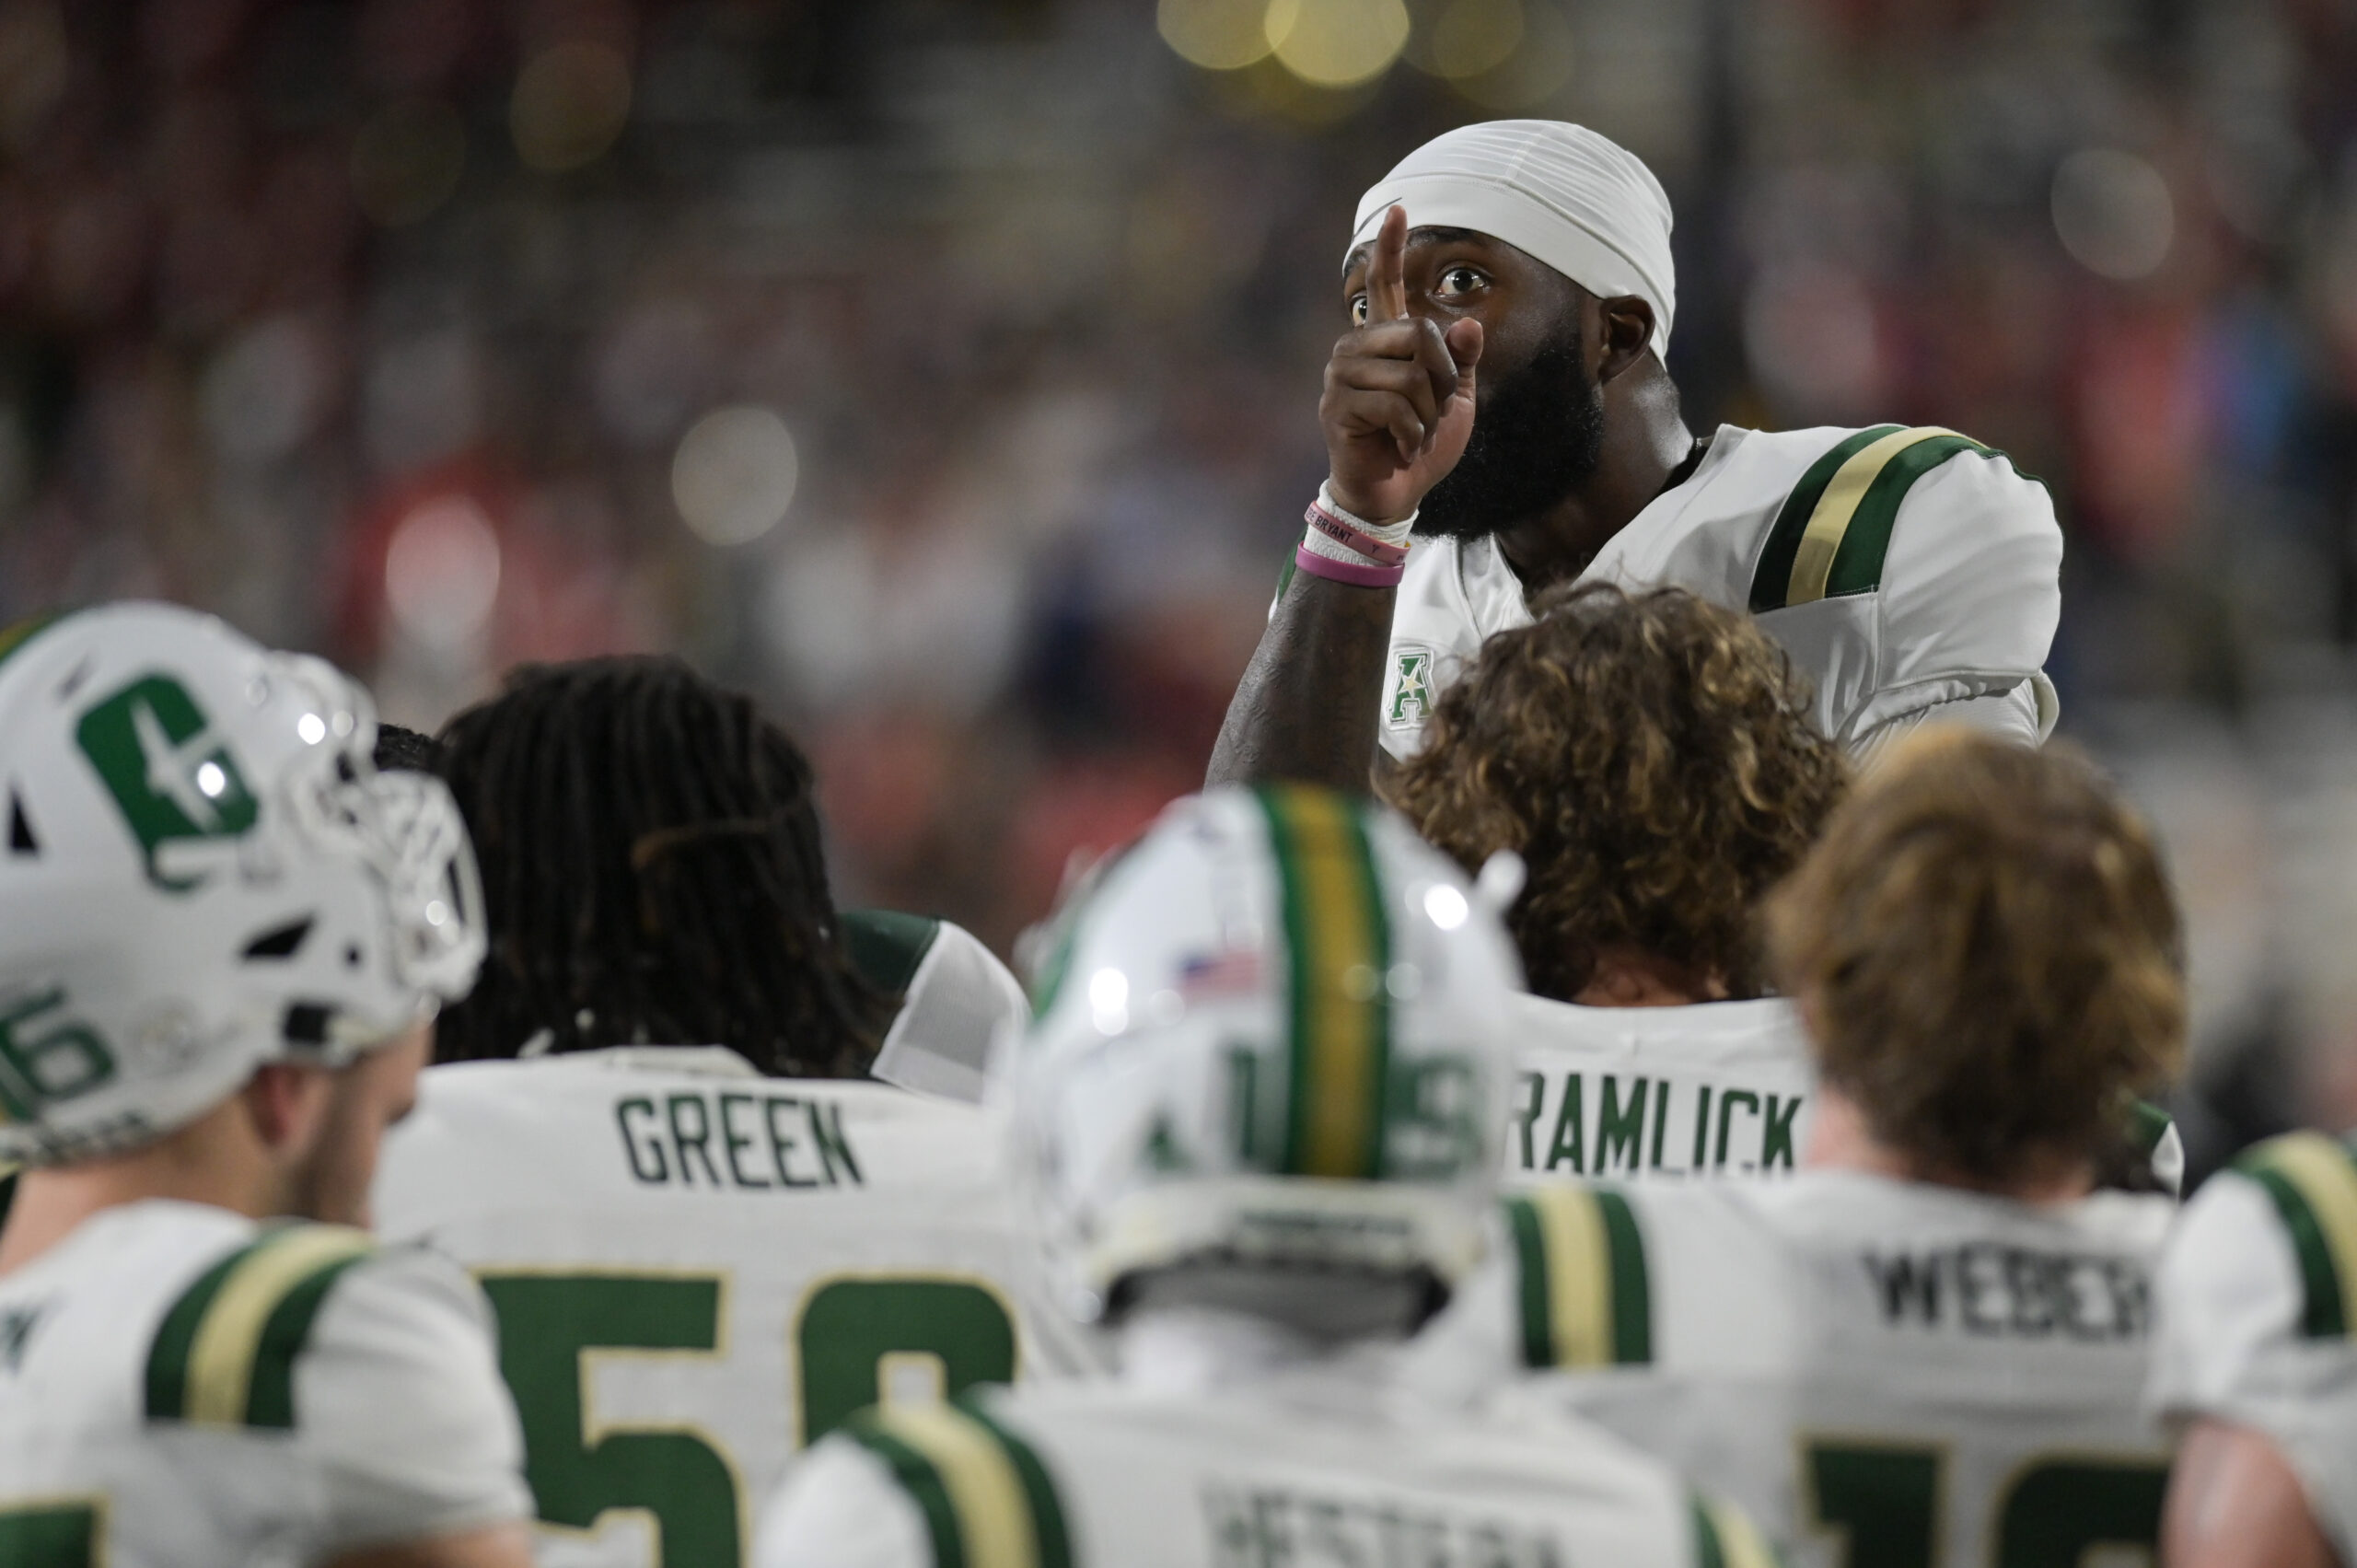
[(1625, 333), (287, 1105)]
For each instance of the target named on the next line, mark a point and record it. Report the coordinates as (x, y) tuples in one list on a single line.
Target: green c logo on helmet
[(170, 775)]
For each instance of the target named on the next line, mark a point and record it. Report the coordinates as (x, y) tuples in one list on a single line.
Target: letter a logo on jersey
[(1411, 686), (169, 774)]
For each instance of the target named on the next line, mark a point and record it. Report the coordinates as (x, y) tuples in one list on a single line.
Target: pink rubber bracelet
[(1316, 565), (1341, 533)]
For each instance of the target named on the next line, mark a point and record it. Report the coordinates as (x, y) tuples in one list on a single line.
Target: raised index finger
[(1387, 274)]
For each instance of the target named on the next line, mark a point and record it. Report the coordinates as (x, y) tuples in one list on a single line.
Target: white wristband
[(1390, 533)]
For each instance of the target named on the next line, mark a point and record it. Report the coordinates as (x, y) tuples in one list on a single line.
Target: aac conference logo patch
[(170, 775), (1411, 697)]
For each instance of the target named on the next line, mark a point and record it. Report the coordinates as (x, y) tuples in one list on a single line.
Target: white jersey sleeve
[(2023, 715), (1970, 598), (187, 1386), (2252, 1318), (399, 1393), (842, 1508)]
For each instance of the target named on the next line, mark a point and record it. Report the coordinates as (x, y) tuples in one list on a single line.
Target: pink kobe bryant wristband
[(1369, 576), (1333, 525)]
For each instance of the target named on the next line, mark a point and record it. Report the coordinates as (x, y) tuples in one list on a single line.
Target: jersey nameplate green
[(736, 1140)]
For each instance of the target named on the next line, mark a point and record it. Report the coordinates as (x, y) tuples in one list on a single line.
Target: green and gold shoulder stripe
[(1725, 1536), (1339, 946), (988, 1501), (225, 1355), (1584, 1299), (2311, 1180), (1832, 532)]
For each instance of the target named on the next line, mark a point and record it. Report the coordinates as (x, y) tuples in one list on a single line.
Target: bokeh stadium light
[(1499, 54)]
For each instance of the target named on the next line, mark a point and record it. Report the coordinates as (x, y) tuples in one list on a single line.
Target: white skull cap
[(1579, 202)]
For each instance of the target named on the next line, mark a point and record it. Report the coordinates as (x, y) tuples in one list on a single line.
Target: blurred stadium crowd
[(945, 370)]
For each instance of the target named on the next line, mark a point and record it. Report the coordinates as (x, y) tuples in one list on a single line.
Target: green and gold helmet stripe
[(1725, 1536), (2312, 1181), (225, 1355), (1338, 943), (987, 1500), (1833, 532), (1584, 1294)]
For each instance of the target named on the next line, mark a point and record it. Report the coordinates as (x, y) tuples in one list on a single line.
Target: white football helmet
[(1272, 1058), (201, 870)]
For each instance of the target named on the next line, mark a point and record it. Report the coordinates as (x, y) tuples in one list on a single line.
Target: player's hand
[(1399, 403)]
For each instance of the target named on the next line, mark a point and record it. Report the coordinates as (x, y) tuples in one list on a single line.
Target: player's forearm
[(1306, 709)]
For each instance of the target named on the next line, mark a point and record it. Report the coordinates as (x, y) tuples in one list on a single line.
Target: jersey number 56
[(849, 1331)]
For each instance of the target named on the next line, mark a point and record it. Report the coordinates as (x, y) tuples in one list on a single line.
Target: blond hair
[(1989, 956)]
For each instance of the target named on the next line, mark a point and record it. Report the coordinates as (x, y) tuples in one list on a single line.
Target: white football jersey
[(1905, 570), (2257, 1294), (698, 1269), (181, 1386), (1293, 1473), (1937, 1377), (1636, 1093)]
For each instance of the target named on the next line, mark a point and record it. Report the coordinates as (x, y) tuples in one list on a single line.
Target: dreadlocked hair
[(399, 748), (651, 874)]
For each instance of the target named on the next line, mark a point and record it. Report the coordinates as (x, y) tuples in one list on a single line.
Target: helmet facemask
[(1271, 1080)]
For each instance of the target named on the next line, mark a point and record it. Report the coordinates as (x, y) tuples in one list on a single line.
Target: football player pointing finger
[(1400, 376), (1908, 571)]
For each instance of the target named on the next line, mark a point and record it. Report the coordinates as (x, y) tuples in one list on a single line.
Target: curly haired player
[(1651, 759)]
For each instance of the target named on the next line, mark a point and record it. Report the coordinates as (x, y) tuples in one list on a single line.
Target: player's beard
[(1536, 436)]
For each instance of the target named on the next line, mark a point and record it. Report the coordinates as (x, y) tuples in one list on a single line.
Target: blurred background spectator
[(946, 370)]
